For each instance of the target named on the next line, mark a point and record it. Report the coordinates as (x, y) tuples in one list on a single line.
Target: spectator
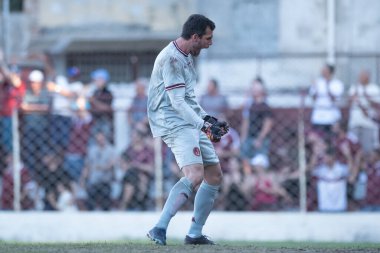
[(326, 93), (65, 200), (51, 174), (138, 163), (264, 190), (7, 196), (101, 104), (12, 90), (137, 112), (98, 173), (64, 94), (35, 124), (77, 142), (316, 148), (348, 153), (363, 96), (331, 184), (256, 126), (232, 194), (372, 201), (213, 102), (348, 149), (227, 148)]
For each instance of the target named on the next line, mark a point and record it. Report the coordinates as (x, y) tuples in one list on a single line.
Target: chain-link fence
[(273, 159)]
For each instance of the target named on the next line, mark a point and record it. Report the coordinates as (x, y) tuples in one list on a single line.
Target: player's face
[(201, 42)]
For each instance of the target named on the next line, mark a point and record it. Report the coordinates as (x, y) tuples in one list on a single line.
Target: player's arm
[(175, 84), (176, 95)]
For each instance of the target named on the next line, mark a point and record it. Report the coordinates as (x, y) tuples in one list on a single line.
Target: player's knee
[(195, 174), (214, 176), (217, 177)]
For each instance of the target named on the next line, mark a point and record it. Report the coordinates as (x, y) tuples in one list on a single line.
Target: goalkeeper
[(176, 117)]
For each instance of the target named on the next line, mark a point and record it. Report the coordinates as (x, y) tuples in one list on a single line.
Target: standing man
[(176, 117), (326, 93)]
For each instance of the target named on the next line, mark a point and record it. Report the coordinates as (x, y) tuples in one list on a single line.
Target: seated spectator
[(138, 163), (372, 199), (331, 183), (348, 153), (35, 122), (50, 176), (214, 103), (263, 187), (7, 187), (227, 148), (66, 200), (256, 126), (232, 195), (97, 175), (78, 142), (363, 95)]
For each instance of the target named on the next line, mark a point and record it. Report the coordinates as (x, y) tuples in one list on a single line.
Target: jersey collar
[(180, 50)]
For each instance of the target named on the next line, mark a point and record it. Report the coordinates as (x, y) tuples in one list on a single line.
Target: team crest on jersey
[(196, 151)]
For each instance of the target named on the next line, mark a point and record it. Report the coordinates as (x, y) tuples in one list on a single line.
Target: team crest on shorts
[(196, 151)]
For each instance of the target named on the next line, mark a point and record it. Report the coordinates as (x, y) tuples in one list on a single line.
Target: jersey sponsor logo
[(196, 151)]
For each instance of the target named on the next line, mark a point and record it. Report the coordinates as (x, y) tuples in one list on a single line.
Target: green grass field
[(177, 247)]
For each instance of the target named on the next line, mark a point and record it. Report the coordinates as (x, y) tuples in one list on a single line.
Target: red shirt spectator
[(7, 196), (80, 133), (10, 97), (227, 148)]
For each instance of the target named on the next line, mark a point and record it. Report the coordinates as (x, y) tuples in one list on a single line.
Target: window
[(123, 66), (14, 5)]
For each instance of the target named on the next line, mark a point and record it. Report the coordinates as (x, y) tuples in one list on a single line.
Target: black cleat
[(158, 235), (202, 240)]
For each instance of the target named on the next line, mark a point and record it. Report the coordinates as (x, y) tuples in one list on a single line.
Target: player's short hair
[(196, 24)]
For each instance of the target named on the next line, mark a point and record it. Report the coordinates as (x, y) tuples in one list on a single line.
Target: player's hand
[(223, 125), (213, 132)]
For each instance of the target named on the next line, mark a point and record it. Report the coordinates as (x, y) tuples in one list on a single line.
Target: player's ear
[(195, 37)]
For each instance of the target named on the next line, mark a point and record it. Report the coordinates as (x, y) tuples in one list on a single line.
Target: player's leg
[(206, 194), (185, 147)]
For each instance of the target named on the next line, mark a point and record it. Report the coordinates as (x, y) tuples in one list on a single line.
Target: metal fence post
[(158, 173), (302, 156), (16, 161)]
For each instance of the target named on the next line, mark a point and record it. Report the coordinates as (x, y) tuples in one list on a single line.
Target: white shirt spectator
[(332, 187), (357, 118), (61, 104), (66, 201), (325, 110)]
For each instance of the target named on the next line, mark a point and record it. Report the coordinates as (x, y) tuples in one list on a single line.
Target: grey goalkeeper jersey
[(171, 100)]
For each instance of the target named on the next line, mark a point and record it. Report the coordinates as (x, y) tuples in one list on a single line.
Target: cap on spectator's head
[(260, 160), (100, 74), (36, 76), (73, 72)]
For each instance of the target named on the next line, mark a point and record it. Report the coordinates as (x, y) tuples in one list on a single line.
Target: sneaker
[(198, 240), (157, 235)]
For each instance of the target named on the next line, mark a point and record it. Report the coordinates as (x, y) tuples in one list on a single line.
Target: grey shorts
[(191, 146)]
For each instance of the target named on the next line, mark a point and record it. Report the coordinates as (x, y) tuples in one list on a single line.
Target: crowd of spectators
[(69, 161)]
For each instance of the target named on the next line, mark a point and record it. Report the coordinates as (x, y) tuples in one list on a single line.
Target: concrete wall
[(157, 15), (245, 30), (98, 226)]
